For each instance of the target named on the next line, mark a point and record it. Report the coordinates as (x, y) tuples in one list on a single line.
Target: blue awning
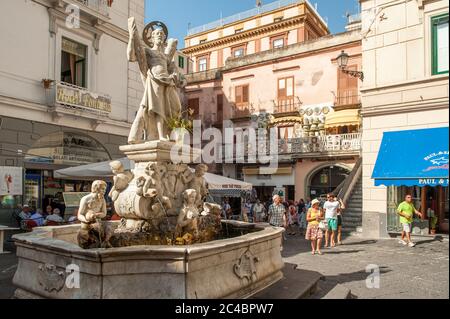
[(413, 158)]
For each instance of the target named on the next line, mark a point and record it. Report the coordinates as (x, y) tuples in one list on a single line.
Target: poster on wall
[(10, 180)]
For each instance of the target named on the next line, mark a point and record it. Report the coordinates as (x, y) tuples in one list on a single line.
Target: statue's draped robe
[(160, 95)]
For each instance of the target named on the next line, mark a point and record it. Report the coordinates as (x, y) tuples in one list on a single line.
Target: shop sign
[(67, 148), (11, 180), (78, 97), (433, 182)]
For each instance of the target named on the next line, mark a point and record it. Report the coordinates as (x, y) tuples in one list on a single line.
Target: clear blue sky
[(177, 14)]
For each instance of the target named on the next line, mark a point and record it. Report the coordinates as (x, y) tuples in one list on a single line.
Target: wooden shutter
[(194, 104), (245, 94), (219, 107)]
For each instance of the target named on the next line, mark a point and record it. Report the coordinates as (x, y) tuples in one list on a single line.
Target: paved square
[(419, 272)]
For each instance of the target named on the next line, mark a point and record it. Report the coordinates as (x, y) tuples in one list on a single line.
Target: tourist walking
[(331, 209), (313, 232), (406, 211), (277, 213), (292, 218), (259, 211), (302, 223)]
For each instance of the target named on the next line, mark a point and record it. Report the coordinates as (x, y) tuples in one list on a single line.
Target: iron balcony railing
[(250, 13), (286, 106), (350, 97), (321, 144), (101, 6)]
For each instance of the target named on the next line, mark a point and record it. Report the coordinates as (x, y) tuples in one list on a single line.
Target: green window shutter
[(439, 23), (181, 62)]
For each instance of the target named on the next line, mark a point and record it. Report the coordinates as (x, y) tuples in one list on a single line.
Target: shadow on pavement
[(423, 242), (335, 252), (329, 282), (364, 242)]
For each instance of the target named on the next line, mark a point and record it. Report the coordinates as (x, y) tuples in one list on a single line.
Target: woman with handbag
[(314, 231)]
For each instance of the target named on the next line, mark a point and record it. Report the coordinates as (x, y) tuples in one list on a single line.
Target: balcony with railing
[(285, 106), (242, 110), (343, 143), (347, 98), (251, 13)]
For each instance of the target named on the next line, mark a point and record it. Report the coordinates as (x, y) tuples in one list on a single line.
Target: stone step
[(338, 292), (295, 284)]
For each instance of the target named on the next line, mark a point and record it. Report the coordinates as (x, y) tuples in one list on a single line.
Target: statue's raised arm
[(135, 51)]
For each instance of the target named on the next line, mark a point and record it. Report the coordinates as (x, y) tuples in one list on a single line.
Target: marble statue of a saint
[(160, 77)]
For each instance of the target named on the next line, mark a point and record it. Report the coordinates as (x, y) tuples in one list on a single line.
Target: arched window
[(67, 148), (326, 180)]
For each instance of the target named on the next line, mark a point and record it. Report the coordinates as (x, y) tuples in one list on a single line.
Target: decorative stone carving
[(50, 278), (245, 267), (189, 215), (92, 210), (197, 182), (121, 179)]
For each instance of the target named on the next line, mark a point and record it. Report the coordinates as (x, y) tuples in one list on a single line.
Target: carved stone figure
[(189, 214), (121, 179), (160, 77), (92, 209), (197, 182)]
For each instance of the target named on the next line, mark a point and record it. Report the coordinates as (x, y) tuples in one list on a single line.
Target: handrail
[(251, 13), (350, 182)]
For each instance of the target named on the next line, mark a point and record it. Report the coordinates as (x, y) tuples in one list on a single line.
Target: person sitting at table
[(54, 218), (74, 218), (38, 218)]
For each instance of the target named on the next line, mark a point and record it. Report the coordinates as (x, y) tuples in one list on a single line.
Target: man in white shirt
[(331, 209), (226, 209), (55, 217)]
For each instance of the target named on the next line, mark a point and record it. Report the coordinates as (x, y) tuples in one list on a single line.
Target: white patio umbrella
[(218, 185)]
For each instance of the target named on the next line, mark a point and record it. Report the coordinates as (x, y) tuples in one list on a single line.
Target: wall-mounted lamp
[(342, 61)]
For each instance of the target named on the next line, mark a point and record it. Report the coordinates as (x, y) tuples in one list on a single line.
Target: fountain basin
[(235, 267)]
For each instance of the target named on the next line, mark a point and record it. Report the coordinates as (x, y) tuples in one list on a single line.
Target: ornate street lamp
[(342, 61)]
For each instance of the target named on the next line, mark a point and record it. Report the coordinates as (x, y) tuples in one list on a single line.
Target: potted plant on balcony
[(180, 125)]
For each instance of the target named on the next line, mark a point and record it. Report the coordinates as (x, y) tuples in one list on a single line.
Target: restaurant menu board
[(73, 199), (11, 180)]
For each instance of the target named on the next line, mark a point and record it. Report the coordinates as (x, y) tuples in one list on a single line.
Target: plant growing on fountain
[(181, 124)]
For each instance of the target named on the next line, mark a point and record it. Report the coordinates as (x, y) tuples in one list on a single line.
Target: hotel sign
[(78, 97)]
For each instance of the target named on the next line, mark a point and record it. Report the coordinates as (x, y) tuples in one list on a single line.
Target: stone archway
[(67, 148), (325, 178)]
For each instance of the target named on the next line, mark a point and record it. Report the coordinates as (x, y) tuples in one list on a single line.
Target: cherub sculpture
[(198, 183), (189, 214), (121, 179)]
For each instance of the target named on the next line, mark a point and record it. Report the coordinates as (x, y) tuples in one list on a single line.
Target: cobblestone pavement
[(419, 272)]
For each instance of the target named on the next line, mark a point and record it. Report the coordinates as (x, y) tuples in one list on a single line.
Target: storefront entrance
[(326, 180), (431, 201)]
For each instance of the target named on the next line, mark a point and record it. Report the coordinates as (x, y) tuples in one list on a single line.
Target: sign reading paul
[(67, 94), (413, 158)]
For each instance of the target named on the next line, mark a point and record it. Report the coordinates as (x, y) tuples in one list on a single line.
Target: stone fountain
[(170, 242)]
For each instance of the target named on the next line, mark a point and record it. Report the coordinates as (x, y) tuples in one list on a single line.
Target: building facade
[(405, 61), (267, 27), (68, 95), (297, 89)]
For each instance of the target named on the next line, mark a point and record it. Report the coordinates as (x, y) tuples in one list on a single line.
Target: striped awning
[(343, 118), (286, 120)]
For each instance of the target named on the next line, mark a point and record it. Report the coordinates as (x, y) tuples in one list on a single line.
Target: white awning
[(102, 170)]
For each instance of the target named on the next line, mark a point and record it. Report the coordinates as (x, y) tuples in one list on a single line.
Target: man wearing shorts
[(331, 208), (406, 211)]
